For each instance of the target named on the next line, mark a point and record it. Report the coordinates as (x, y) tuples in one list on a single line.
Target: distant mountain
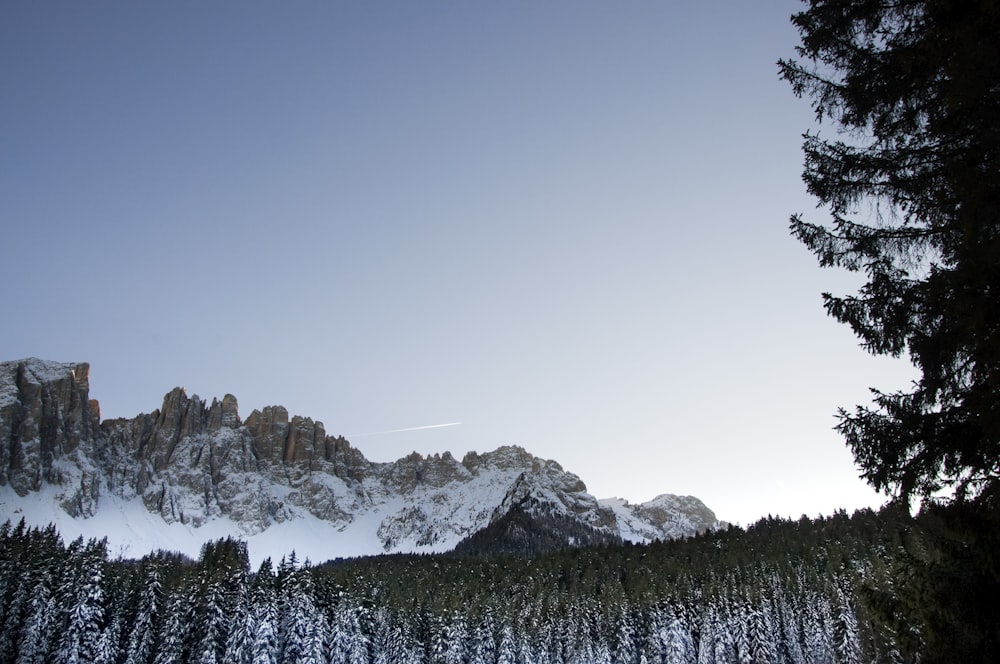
[(191, 472)]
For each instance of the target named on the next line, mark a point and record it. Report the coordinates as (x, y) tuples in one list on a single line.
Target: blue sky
[(563, 225)]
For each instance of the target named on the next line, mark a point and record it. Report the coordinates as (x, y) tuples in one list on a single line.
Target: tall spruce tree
[(913, 189), (912, 184), (142, 635)]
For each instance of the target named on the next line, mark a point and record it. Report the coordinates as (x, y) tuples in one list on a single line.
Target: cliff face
[(191, 463), (45, 415)]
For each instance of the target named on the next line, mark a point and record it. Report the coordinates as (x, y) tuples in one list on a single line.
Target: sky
[(563, 225)]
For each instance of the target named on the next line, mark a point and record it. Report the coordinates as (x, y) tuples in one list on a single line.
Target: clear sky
[(562, 224)]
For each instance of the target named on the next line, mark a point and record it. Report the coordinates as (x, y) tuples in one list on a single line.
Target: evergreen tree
[(211, 624), (301, 627), (37, 632), (913, 195), (449, 638), (173, 644), (484, 647), (390, 643), (913, 188), (627, 650), (788, 624), (763, 632), (262, 618), (109, 648), (239, 643), (506, 645), (142, 635), (847, 640), (818, 630), (15, 557), (347, 644), (83, 598)]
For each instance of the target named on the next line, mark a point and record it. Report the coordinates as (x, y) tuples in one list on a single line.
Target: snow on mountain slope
[(425, 520), (191, 472), (665, 517)]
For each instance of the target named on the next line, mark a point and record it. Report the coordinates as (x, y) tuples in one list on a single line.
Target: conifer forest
[(906, 164), (806, 591)]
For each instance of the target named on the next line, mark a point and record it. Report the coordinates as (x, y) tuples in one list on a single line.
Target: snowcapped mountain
[(191, 472)]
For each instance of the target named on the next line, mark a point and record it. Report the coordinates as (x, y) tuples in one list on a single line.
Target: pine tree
[(787, 624), (173, 641), (507, 645), (211, 623), (913, 193), (763, 632), (239, 643), (84, 597), (484, 647), (109, 648), (36, 638), (847, 640), (142, 634), (675, 642), (723, 629), (301, 628), (389, 639), (264, 619), (818, 630), (449, 637), (347, 643), (913, 84), (626, 650), (15, 557)]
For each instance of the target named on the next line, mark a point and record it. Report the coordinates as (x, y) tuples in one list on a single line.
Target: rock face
[(45, 414), (194, 463), (665, 517)]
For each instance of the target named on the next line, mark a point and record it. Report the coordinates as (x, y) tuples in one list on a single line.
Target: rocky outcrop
[(665, 517), (191, 462), (223, 414), (45, 414)]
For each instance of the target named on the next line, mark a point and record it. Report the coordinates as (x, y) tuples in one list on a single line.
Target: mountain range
[(194, 471)]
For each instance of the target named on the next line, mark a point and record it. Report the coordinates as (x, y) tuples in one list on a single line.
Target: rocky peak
[(224, 414), (45, 413), (548, 488), (305, 442), (347, 462), (191, 462), (665, 517), (415, 471), (507, 457), (269, 430), (666, 508)]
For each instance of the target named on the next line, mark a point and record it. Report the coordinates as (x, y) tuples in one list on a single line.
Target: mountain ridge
[(199, 471)]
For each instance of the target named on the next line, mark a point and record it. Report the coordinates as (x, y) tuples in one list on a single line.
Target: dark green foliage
[(945, 579), (913, 189), (531, 534), (781, 591)]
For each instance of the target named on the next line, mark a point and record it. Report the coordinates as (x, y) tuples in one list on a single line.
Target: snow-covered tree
[(83, 595), (109, 649), (173, 643), (37, 632), (346, 643), (142, 635), (301, 624)]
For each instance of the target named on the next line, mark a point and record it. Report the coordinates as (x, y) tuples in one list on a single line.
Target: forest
[(910, 179), (806, 591)]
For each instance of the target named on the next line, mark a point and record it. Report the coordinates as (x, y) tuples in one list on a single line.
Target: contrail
[(379, 433)]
